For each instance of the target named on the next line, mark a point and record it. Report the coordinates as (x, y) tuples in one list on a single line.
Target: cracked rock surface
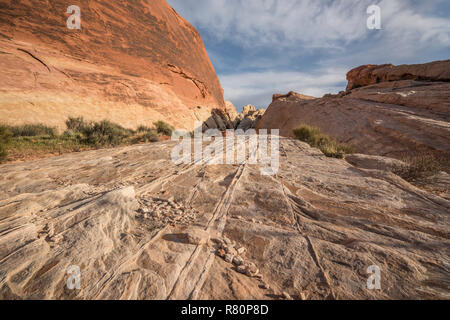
[(140, 227)]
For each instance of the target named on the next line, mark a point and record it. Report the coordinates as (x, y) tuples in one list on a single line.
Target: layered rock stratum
[(140, 227), (132, 62), (372, 74), (386, 110)]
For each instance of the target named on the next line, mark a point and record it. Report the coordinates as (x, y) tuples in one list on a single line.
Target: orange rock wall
[(132, 62)]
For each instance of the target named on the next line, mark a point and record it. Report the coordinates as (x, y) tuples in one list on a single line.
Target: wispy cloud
[(263, 46), (257, 23), (313, 23)]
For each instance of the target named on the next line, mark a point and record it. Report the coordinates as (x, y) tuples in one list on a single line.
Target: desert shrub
[(150, 136), (142, 129), (72, 135), (31, 141), (314, 137), (3, 153), (104, 133), (146, 134), (5, 138), (33, 130), (164, 128), (334, 149), (76, 124), (308, 134), (107, 133), (98, 134), (145, 137), (420, 169)]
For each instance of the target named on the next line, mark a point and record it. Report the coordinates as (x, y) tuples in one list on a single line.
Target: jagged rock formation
[(230, 119), (132, 62), (249, 117), (386, 115), (140, 227)]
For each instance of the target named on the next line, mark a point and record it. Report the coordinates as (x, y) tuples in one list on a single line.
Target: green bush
[(98, 134), (146, 137), (314, 137), (76, 124), (142, 129), (5, 138), (308, 134), (30, 141), (164, 128), (105, 133), (72, 135), (150, 136), (33, 130)]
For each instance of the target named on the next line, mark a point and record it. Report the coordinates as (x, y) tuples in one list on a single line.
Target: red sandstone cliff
[(133, 62)]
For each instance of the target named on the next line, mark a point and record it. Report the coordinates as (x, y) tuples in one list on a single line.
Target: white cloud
[(407, 26), (311, 23)]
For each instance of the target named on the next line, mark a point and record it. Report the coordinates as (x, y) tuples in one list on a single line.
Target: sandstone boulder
[(230, 119)]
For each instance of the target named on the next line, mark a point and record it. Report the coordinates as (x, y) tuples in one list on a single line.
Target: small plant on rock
[(420, 169), (164, 128), (314, 137)]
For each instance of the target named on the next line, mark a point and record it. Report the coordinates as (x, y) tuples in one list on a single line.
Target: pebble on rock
[(241, 269), (221, 253), (229, 258), (232, 251), (238, 261)]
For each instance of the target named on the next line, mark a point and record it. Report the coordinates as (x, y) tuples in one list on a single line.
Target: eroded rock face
[(293, 95), (388, 118), (372, 74), (310, 232), (132, 62)]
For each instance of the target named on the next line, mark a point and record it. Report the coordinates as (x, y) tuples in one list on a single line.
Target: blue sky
[(262, 47)]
